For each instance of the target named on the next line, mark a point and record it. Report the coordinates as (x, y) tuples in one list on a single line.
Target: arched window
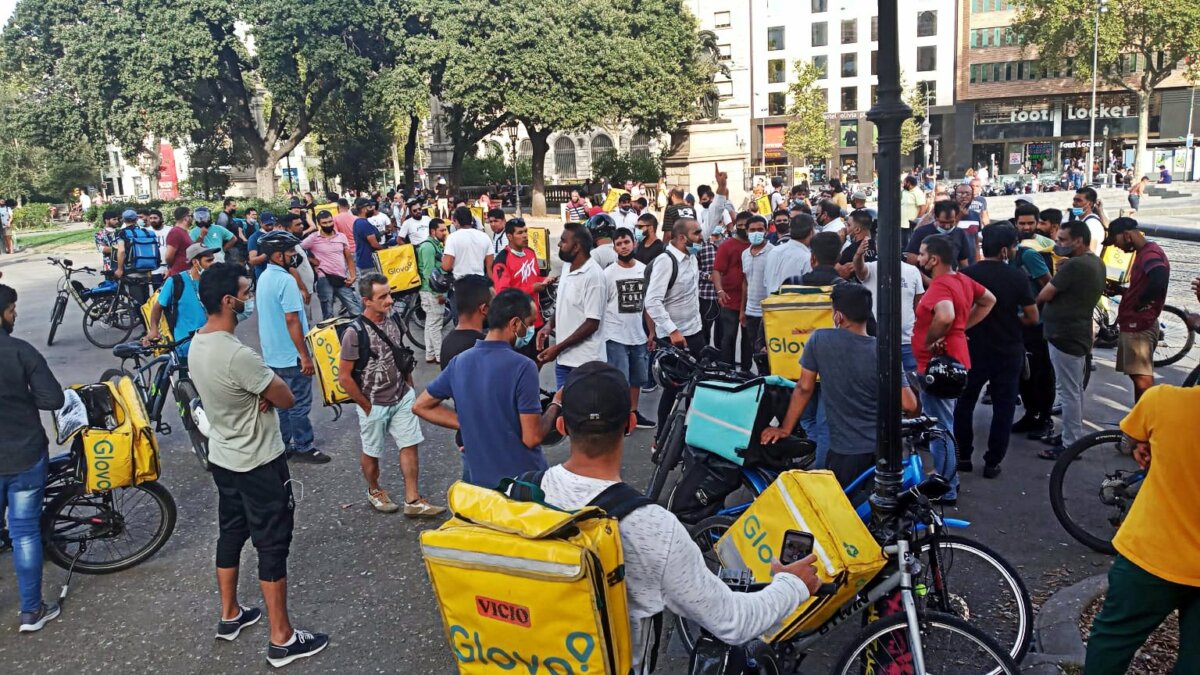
[(639, 145), (564, 158), (927, 23), (493, 149), (525, 150), (602, 145)]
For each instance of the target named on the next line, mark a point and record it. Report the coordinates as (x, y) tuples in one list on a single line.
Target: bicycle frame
[(155, 385)]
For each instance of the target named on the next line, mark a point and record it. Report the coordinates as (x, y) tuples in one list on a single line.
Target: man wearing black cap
[(663, 567), (1141, 302)]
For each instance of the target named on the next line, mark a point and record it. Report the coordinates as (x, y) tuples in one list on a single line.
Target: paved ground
[(358, 575)]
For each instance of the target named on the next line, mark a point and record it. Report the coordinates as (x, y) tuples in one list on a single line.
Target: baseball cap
[(1028, 199), (1119, 226), (858, 194), (361, 202), (196, 250), (267, 218), (295, 204), (129, 214), (595, 399)]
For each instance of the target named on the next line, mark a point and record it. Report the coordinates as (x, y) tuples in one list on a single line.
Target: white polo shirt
[(582, 295)]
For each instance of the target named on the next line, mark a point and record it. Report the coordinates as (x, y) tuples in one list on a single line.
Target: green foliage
[(95, 213), (910, 130), (619, 168), (807, 137), (45, 240), (33, 165), (32, 216)]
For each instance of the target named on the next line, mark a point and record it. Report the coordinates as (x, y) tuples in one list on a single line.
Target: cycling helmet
[(602, 226), (276, 241), (670, 369), (202, 215), (944, 377)]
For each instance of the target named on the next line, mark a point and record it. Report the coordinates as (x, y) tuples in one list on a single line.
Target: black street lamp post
[(888, 114)]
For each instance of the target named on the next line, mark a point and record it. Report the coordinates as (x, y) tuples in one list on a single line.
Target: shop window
[(820, 34), (850, 65), (775, 71), (819, 6), (926, 59), (849, 98), (775, 38), (927, 23), (875, 63), (874, 29), (724, 53), (777, 103), (721, 20), (849, 31), (821, 63), (848, 133)]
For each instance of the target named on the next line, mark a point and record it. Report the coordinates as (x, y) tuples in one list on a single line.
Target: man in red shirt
[(516, 266), (343, 222), (178, 241), (1141, 303), (953, 303), (727, 278)]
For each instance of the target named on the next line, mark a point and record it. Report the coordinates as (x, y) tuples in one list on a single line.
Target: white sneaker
[(422, 509), (382, 502)]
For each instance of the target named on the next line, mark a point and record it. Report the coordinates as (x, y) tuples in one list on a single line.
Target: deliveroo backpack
[(141, 249)]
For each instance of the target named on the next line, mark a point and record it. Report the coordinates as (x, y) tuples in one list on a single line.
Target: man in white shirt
[(416, 227), (496, 222), (625, 215), (468, 251), (792, 258), (911, 290), (578, 309), (673, 299), (381, 221), (624, 331), (829, 218), (1085, 206), (754, 290), (664, 568), (715, 208)]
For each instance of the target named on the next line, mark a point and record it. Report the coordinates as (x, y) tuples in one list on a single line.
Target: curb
[(1056, 628)]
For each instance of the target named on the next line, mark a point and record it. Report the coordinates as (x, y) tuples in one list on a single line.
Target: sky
[(6, 10)]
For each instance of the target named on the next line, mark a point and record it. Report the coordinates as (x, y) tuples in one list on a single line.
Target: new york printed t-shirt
[(624, 304)]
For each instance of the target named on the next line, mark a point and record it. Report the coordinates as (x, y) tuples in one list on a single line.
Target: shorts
[(397, 420), (255, 505), (1135, 352), (632, 360)]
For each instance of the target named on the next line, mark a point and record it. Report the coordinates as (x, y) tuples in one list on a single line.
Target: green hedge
[(95, 214), (32, 216)]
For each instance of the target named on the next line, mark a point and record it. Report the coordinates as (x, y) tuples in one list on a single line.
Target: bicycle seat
[(68, 262), (128, 350)]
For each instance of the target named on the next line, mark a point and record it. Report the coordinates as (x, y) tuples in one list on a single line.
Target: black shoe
[(991, 471), (230, 629), (1045, 428), (31, 622), (1026, 423), (311, 457), (1053, 439), (643, 423), (304, 645), (965, 466), (1056, 410)]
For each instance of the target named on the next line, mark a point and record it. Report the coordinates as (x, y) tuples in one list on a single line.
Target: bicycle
[(109, 315), (913, 640), (1175, 335), (989, 592), (407, 306), (1096, 468), (153, 385)]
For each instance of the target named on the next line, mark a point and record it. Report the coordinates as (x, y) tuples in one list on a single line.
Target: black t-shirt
[(958, 237), (675, 212), (847, 254), (647, 253), (457, 342), (1000, 331)]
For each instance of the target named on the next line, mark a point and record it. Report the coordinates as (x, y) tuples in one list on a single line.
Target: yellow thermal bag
[(118, 442), (789, 318), (399, 265), (325, 344)]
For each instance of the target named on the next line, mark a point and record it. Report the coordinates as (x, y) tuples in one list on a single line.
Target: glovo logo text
[(101, 462), (471, 647), (753, 532), (327, 352), (790, 344)]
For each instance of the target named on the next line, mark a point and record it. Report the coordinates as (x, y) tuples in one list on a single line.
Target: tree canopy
[(807, 137)]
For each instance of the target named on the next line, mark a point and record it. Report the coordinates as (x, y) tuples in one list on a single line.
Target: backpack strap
[(674, 269), (620, 499)]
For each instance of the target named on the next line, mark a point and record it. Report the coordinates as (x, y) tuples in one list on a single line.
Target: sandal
[(1050, 454)]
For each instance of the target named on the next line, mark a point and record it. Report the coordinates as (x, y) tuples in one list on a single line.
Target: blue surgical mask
[(523, 340), (756, 238), (247, 310), (141, 222), (638, 235), (719, 230), (1076, 211), (693, 248)]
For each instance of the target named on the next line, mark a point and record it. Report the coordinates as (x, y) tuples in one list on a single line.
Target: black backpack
[(674, 269), (402, 356), (171, 311)]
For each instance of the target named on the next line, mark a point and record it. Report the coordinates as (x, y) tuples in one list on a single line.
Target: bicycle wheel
[(1175, 336), (1106, 328), (668, 457), (1192, 378), (414, 325), (185, 394), (705, 533), (1092, 487), (108, 321), (115, 374), (950, 646), (974, 583), (109, 531), (56, 317)]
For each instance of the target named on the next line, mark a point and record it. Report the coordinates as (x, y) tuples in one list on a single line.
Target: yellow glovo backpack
[(527, 587), (118, 445)]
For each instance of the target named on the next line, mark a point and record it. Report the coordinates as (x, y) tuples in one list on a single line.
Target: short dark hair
[(1088, 194), (941, 246), (435, 222), (642, 202), (945, 206), (181, 212), (8, 297), (496, 213), (322, 214), (680, 227), (624, 197), (776, 181), (763, 221), (509, 304), (512, 224), (1025, 209), (344, 203), (780, 212), (623, 232), (580, 235), (863, 219), (829, 208), (1079, 230), (703, 190), (368, 282), (287, 219), (1051, 216), (742, 215), (228, 201), (463, 216), (155, 212), (251, 208), (825, 247), (112, 214), (996, 238), (219, 280), (801, 226), (648, 218), (910, 181), (471, 291), (852, 300)]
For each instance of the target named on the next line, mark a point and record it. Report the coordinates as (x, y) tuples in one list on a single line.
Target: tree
[(910, 130), (1141, 43), (807, 137)]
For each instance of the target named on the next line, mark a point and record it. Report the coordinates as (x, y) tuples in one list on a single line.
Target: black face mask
[(625, 258), (327, 230), (1027, 235)]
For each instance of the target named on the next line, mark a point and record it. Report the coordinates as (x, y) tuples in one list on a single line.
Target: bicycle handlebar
[(65, 264)]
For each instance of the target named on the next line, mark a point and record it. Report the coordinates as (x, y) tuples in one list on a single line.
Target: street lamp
[(511, 128), (1104, 157), (1101, 8), (321, 159), (888, 115)]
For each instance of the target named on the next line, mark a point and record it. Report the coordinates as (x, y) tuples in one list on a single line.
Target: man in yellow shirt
[(1157, 569)]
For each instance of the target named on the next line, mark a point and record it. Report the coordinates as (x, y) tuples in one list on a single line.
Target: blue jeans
[(21, 495), (561, 373), (632, 360), (294, 426), (344, 294), (907, 360), (815, 427), (945, 460)]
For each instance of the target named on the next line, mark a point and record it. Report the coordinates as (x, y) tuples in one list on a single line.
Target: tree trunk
[(1140, 160), (264, 178), (454, 180), (540, 140), (155, 167), (395, 166), (410, 150)]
